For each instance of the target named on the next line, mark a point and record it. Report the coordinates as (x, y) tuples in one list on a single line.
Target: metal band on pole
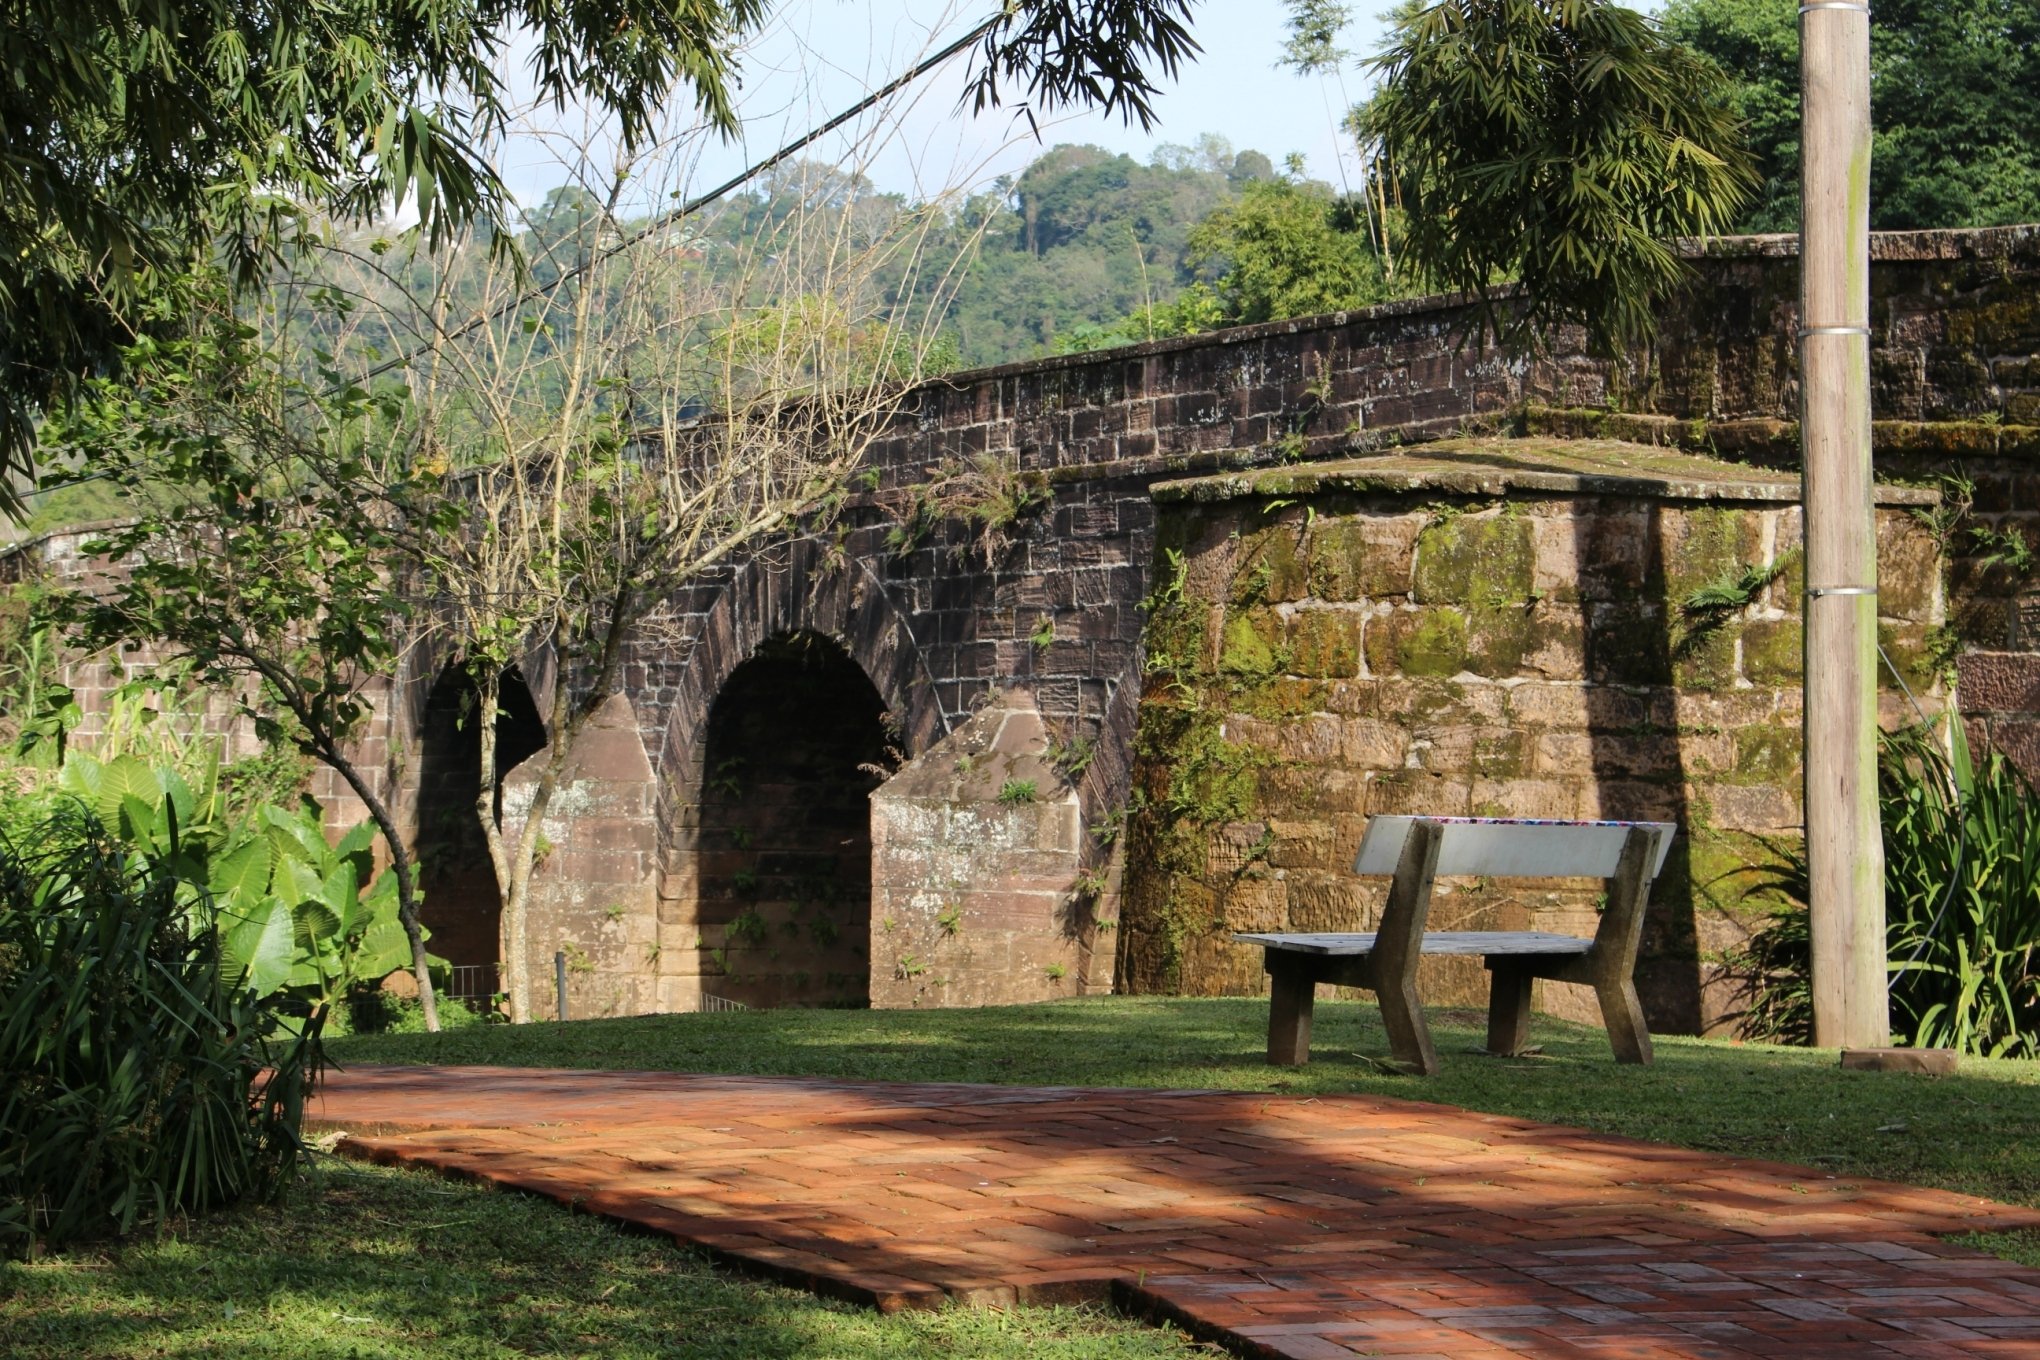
[(1805, 331), (1817, 592), (1834, 4)]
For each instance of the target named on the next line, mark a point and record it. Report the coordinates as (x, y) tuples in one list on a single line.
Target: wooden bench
[(1417, 850)]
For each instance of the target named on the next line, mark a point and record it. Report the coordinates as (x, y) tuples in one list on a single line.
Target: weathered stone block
[(1485, 559), (1325, 643), (1254, 643), (1774, 651), (1271, 568), (1363, 558), (1419, 642), (1754, 807), (1999, 681)]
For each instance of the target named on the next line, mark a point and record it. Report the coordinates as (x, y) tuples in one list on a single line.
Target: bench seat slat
[(1459, 942)]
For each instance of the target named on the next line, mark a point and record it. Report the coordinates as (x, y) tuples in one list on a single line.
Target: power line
[(692, 205), (657, 224)]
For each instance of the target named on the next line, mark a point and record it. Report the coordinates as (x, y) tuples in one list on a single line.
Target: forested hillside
[(1087, 248), (1084, 238)]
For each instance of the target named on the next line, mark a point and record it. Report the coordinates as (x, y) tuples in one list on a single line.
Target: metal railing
[(471, 981)]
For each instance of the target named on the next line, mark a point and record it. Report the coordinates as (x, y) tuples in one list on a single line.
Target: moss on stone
[(1274, 699), (1436, 702), (1706, 660), (1732, 872), (1345, 564), (1774, 652), (1712, 542), (1498, 638), (1173, 639), (1252, 643), (1912, 651), (1271, 571), (1421, 642), (1475, 559), (2006, 324), (1189, 779), (1334, 558), (1767, 755), (1325, 643), (1502, 754)]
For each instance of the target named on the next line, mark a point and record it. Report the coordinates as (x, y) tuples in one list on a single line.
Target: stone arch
[(796, 742), (794, 589), (461, 904)]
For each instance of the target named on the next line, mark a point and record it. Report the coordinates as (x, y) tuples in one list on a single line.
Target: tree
[(143, 136), (243, 572), (1562, 144), (595, 447), (1285, 249), (573, 483), (1955, 107), (1079, 240)]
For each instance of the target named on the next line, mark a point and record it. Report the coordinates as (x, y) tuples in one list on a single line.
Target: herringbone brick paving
[(1311, 1228)]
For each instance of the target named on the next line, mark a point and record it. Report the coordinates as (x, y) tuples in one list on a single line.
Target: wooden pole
[(1844, 845)]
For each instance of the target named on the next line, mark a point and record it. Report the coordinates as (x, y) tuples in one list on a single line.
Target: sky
[(817, 57)]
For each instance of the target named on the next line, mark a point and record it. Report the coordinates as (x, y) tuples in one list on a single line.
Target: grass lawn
[(1978, 1131), (374, 1264)]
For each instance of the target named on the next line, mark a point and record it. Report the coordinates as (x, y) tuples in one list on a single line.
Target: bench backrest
[(1512, 849)]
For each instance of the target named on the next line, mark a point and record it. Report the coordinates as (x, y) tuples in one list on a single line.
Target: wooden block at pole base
[(1926, 1062)]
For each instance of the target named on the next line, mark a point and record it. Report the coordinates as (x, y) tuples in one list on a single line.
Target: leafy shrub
[(157, 956), (371, 1010), (1962, 906), (1963, 966), (295, 914), (134, 1058)]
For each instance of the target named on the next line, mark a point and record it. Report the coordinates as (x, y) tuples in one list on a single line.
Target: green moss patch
[(1475, 559)]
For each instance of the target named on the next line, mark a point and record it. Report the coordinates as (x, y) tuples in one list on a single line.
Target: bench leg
[(1508, 1011), (1292, 994), (1409, 1037), (1622, 1013)]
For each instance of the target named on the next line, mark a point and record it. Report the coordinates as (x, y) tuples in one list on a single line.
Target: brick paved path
[(1315, 1229)]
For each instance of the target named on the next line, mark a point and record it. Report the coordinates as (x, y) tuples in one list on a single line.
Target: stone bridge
[(904, 768)]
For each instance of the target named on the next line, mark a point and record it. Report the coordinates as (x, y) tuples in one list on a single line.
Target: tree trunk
[(516, 865), (510, 906), (401, 866)]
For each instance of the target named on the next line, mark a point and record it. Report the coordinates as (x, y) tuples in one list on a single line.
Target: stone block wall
[(1053, 606), (1476, 628), (977, 853), (593, 897)]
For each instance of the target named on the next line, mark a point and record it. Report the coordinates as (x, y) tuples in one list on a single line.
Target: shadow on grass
[(368, 1262)]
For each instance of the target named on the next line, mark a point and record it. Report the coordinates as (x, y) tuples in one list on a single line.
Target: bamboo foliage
[(1562, 144)]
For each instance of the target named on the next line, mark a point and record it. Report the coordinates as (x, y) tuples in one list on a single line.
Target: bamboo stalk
[(1844, 847)]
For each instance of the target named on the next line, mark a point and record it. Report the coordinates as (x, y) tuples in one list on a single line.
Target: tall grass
[(1962, 906), (1962, 894)]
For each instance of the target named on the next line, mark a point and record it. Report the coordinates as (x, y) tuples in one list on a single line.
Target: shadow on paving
[(1278, 1225)]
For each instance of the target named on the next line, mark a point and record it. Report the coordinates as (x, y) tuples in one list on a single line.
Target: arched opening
[(797, 740), (461, 906)]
